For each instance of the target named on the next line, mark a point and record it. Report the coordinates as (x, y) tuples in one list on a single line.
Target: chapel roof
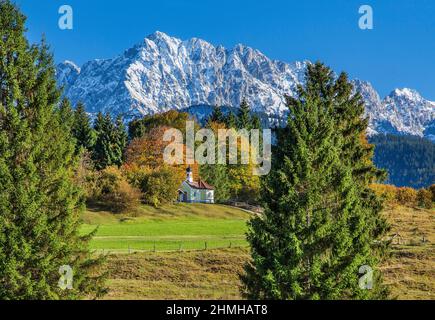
[(200, 184)]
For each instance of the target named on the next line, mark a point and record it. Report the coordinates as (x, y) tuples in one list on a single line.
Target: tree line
[(139, 153), (410, 160)]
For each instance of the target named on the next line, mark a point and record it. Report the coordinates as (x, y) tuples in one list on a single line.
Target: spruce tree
[(349, 109), (317, 229), (97, 153), (231, 121), (66, 113), (39, 203), (121, 140), (349, 117), (217, 115), (244, 116), (256, 122), (99, 123), (217, 174), (103, 153), (110, 143), (82, 129)]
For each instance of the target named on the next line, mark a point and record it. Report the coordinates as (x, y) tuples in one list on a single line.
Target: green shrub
[(160, 187), (386, 192), (424, 198), (86, 176), (112, 191), (406, 196), (432, 191)]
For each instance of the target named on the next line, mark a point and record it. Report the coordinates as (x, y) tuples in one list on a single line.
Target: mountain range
[(163, 73)]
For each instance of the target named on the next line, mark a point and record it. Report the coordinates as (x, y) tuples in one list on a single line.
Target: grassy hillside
[(172, 227), (213, 274), (204, 274), (411, 269)]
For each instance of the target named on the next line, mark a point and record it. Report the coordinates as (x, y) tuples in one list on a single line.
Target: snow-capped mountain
[(67, 73), (403, 111), (408, 112), (164, 72), (373, 103)]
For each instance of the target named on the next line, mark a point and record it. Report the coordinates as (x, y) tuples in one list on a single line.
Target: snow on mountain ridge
[(163, 72), (408, 111)]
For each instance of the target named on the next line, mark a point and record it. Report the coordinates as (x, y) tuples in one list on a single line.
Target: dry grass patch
[(410, 271), (213, 274), (203, 274)]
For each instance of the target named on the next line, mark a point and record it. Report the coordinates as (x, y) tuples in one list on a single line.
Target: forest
[(409, 160)]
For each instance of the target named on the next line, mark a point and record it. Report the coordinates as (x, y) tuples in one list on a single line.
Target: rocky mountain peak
[(165, 72)]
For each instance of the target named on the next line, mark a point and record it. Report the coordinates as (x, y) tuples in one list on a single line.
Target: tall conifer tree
[(110, 143), (231, 121), (104, 153), (351, 123), (82, 129), (66, 114), (317, 229), (39, 203), (122, 138), (217, 115), (244, 116), (256, 122), (217, 174)]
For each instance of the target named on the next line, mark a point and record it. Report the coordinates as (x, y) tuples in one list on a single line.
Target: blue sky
[(398, 52)]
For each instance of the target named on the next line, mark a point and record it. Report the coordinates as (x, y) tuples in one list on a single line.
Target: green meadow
[(195, 273), (169, 228)]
